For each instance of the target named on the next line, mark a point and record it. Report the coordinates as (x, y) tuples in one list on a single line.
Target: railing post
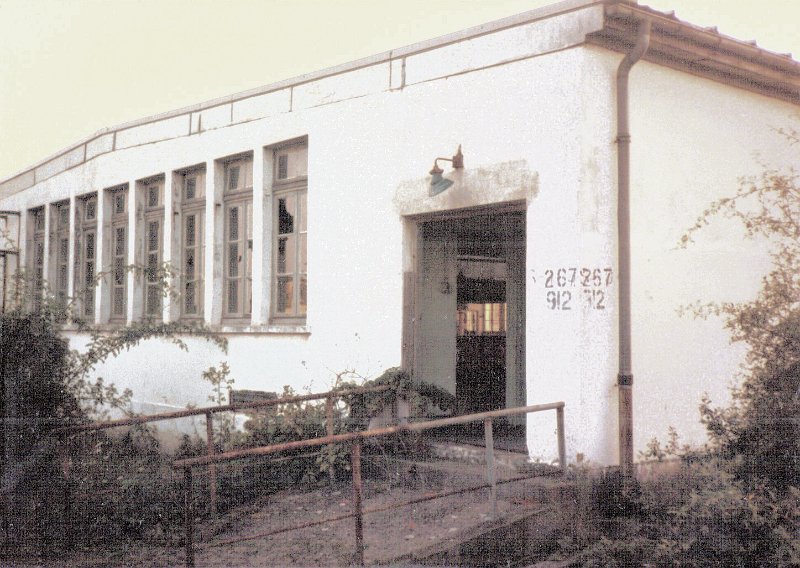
[(355, 456), (490, 470), (212, 467), (562, 445), (66, 467), (188, 514), (69, 540), (330, 432)]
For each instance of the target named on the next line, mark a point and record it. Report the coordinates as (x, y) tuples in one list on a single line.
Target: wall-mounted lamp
[(438, 183)]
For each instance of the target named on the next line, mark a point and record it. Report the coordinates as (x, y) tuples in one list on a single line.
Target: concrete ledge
[(19, 182), (358, 83), (504, 182), (99, 145), (503, 46), (262, 106), (216, 117), (477, 455), (153, 132), (58, 165)]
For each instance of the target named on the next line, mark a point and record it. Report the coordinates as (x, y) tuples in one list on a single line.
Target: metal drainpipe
[(625, 375)]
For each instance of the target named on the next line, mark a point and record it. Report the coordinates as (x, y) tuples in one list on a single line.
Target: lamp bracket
[(457, 160)]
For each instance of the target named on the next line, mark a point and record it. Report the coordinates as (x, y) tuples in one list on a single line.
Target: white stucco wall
[(571, 342), (535, 115), (693, 139)]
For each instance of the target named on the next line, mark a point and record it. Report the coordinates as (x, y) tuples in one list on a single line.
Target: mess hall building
[(497, 210)]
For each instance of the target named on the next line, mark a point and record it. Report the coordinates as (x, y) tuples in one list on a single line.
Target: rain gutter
[(625, 375)]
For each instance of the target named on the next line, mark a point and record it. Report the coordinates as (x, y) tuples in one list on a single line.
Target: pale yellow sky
[(71, 67)]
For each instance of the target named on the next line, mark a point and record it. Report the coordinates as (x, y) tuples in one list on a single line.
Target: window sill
[(262, 329), (224, 328)]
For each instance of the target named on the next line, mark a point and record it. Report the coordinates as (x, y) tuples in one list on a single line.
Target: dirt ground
[(390, 535)]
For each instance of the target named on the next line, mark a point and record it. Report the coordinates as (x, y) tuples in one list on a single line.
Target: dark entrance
[(481, 338), (484, 244)]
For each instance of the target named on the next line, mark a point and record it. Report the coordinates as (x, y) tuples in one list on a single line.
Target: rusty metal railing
[(356, 439), (209, 412)]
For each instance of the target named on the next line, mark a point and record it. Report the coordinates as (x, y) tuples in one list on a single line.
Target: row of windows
[(145, 261)]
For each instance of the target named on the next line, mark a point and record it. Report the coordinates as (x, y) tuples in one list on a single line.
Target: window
[(119, 252), (36, 261), (85, 254), (192, 222), (238, 227), (488, 318), (290, 191), (153, 192), (59, 251)]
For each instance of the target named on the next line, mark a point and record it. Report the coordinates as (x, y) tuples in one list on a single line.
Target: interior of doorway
[(482, 316), (472, 307)]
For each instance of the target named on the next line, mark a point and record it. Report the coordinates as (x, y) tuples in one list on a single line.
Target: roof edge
[(701, 51)]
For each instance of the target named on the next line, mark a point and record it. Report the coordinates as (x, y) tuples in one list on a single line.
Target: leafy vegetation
[(57, 487), (736, 502), (304, 420)]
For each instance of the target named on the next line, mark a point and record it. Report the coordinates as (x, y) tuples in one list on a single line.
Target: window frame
[(283, 188), (85, 268), (194, 206), (59, 251), (37, 258), (240, 197), (118, 220), (153, 258)]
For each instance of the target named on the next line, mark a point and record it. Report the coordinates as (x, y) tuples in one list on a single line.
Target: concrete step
[(469, 453)]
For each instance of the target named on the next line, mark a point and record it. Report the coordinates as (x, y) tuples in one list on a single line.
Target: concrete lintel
[(498, 183)]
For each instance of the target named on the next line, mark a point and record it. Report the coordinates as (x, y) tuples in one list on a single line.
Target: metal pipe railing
[(130, 421), (356, 438), (209, 411), (366, 434)]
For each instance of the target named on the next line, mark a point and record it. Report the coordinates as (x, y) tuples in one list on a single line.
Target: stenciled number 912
[(559, 299)]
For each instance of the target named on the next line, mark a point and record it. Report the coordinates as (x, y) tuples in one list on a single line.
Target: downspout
[(625, 375)]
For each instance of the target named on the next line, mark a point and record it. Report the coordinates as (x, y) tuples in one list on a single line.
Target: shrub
[(93, 488)]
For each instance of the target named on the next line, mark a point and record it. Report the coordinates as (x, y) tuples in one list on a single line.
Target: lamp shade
[(439, 184)]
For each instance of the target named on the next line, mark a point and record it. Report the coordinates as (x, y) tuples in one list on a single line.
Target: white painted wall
[(692, 140), (571, 352), (537, 126)]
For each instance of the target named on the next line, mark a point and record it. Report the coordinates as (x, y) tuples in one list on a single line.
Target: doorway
[(469, 330)]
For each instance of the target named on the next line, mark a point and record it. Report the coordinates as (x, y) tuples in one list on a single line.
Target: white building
[(304, 227)]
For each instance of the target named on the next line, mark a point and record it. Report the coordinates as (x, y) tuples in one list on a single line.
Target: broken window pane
[(286, 211)]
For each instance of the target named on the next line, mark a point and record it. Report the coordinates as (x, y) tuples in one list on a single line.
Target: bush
[(739, 503), (59, 491), (702, 517), (123, 489), (241, 482)]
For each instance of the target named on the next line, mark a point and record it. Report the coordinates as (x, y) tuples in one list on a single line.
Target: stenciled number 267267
[(561, 282)]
